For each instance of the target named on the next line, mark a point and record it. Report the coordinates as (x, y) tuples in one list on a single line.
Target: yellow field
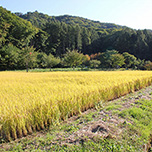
[(32, 101)]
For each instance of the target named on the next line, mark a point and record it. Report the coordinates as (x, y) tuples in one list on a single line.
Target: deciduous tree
[(73, 58), (51, 61)]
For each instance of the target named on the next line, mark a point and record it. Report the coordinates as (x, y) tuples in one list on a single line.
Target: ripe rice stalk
[(33, 101)]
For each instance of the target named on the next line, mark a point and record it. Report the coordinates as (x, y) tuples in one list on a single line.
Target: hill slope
[(14, 29), (97, 36)]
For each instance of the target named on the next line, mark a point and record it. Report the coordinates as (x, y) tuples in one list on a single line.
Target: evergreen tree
[(78, 38)]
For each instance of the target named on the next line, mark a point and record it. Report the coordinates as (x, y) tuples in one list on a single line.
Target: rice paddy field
[(30, 102)]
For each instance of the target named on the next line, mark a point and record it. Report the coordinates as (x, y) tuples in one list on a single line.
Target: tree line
[(29, 58)]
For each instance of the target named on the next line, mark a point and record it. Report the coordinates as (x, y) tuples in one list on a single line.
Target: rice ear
[(24, 131), (19, 133), (13, 134), (29, 129)]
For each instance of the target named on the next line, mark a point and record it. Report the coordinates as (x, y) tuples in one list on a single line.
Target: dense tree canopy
[(40, 19), (138, 43), (13, 29), (49, 38), (50, 61), (73, 58)]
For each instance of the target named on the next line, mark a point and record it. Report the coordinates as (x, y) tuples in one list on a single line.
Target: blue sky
[(136, 14)]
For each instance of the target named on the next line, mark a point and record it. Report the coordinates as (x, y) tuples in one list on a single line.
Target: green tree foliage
[(13, 29), (39, 41), (106, 58), (56, 35), (37, 19), (148, 65), (85, 39), (117, 60), (28, 57), (90, 36), (134, 42), (94, 63), (40, 19), (41, 59), (139, 64), (50, 61), (54, 30), (69, 31), (63, 36), (110, 59), (130, 60), (78, 39), (86, 60), (9, 57), (73, 58)]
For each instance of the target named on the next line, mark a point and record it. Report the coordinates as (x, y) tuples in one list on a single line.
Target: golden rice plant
[(33, 101)]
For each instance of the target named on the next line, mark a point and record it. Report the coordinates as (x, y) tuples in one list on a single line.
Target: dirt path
[(105, 123)]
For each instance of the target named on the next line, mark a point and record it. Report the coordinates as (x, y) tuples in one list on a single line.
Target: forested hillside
[(13, 29), (33, 39), (103, 35), (136, 42)]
